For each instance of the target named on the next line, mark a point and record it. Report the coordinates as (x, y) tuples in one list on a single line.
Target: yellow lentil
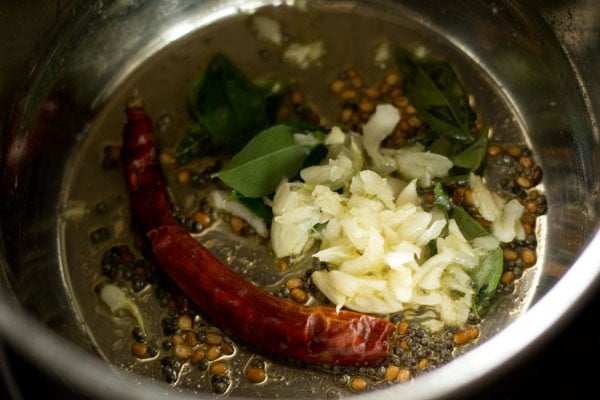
[(197, 356), (256, 374), (526, 162), (184, 176), (524, 182), (414, 121), (282, 265), (226, 348), (337, 85), (366, 106), (348, 94), (213, 353), (177, 339), (514, 151), (507, 277), (346, 115), (358, 384), (402, 328), (182, 352), (510, 254), (528, 256), (465, 336), (213, 338), (392, 78), (298, 295), (190, 338), (373, 93), (293, 283), (357, 82), (201, 218), (410, 110), (166, 158), (391, 372), (219, 368), (236, 223), (296, 97), (139, 349), (494, 150), (184, 322), (403, 375)]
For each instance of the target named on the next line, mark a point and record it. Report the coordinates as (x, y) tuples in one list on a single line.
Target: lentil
[(402, 328), (298, 295), (226, 348), (391, 372), (256, 374), (166, 158), (237, 224), (190, 339), (139, 349), (507, 277), (293, 283), (184, 322), (213, 353), (528, 256), (282, 265), (182, 351), (219, 368), (461, 337), (184, 176), (213, 338), (358, 384), (403, 375), (197, 356)]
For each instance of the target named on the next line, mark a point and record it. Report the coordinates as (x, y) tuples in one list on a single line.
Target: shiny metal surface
[(538, 57)]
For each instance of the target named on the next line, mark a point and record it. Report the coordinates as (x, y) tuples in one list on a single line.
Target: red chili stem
[(311, 334)]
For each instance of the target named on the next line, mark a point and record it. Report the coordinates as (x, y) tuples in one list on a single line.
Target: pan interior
[(501, 66)]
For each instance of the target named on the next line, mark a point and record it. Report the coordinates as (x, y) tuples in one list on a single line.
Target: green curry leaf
[(269, 157), (486, 277), (227, 109), (472, 156), (435, 91), (487, 273)]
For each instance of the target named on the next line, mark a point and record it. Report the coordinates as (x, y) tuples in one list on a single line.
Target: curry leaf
[(258, 207), (227, 109), (486, 277), (468, 225), (269, 157), (471, 157), (487, 273), (435, 91)]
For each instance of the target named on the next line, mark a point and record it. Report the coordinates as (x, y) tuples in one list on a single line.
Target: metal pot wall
[(83, 58)]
